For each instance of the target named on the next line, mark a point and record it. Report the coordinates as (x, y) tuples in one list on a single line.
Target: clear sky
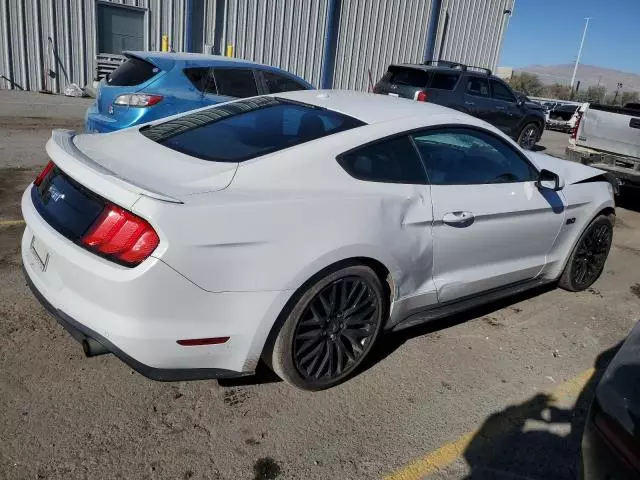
[(547, 32)]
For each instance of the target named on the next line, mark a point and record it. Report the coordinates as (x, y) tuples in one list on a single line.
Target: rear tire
[(587, 260), (330, 330), (529, 136)]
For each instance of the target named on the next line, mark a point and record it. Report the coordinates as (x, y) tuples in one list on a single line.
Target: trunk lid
[(402, 81), (124, 165)]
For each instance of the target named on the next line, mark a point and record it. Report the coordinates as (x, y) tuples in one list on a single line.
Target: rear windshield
[(407, 76), (132, 72), (246, 129)]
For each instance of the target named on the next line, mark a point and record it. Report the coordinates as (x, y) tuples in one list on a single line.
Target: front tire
[(529, 136), (331, 329), (589, 255)]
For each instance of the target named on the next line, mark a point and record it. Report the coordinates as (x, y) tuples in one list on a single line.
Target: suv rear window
[(238, 131), (444, 81), (412, 77), (132, 72)]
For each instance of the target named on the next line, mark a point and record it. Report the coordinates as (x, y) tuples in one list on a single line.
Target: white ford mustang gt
[(297, 228)]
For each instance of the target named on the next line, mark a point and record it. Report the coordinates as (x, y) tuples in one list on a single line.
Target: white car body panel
[(238, 240)]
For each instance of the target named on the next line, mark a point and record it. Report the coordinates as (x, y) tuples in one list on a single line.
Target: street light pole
[(575, 68)]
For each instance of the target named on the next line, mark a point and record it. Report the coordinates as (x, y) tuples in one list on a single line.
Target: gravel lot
[(63, 416)]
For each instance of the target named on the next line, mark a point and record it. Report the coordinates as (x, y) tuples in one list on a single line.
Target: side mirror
[(520, 102), (549, 180)]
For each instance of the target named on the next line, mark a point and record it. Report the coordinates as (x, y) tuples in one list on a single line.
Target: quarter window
[(390, 161), (470, 157), (501, 92), (201, 78), (236, 82), (478, 86), (444, 81)]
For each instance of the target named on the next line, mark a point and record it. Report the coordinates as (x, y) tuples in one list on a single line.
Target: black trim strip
[(80, 332)]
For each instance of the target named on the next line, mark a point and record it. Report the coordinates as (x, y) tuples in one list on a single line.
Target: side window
[(235, 82), (389, 161), (280, 83), (201, 79), (444, 81), (469, 157), (478, 86), (501, 92)]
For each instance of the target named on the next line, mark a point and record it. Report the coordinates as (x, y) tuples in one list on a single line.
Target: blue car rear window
[(246, 129)]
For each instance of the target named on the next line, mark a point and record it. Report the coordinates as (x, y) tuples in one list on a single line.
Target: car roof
[(470, 70), (371, 108)]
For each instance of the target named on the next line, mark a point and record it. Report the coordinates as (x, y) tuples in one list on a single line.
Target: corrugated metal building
[(46, 44)]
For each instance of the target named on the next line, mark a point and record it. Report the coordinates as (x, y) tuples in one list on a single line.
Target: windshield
[(250, 128)]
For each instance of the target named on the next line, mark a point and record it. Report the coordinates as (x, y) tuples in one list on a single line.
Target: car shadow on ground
[(629, 199), (530, 440), (538, 148)]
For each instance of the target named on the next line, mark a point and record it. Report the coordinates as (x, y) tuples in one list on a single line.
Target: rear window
[(407, 76), (246, 129), (132, 72), (236, 82), (444, 81)]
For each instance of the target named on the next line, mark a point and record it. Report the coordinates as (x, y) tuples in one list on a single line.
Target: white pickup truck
[(608, 138)]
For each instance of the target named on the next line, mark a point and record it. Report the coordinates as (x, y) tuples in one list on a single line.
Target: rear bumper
[(140, 313), (608, 162)]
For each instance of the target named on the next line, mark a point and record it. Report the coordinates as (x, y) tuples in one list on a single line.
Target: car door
[(506, 113), (227, 83), (477, 97), (492, 226)]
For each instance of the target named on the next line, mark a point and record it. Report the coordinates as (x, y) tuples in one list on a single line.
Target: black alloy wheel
[(335, 329), (330, 328), (589, 255)]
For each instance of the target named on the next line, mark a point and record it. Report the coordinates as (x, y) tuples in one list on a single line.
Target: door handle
[(469, 103), (499, 107), (458, 218)]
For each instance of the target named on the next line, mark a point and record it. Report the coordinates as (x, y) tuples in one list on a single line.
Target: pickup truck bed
[(608, 138)]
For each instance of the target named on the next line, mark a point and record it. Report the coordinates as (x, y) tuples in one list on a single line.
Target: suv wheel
[(529, 135)]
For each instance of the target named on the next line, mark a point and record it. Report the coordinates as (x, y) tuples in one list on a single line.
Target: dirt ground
[(63, 416)]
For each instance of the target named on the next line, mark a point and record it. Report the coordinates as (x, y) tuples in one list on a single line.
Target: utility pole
[(615, 97), (575, 68)]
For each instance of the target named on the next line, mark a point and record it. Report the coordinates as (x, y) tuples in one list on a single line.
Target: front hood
[(570, 172), (132, 157)]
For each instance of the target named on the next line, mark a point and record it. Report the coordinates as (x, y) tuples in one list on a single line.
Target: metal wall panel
[(39, 36), (285, 33), (288, 34)]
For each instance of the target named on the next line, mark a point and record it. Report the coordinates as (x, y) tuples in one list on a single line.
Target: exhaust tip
[(93, 348)]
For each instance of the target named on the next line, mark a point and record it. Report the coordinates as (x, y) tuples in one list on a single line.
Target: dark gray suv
[(472, 90)]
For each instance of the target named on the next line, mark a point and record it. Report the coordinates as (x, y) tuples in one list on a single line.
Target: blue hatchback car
[(152, 85)]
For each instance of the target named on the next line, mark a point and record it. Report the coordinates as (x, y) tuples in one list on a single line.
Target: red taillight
[(422, 96), (121, 235), (43, 174), (574, 130)]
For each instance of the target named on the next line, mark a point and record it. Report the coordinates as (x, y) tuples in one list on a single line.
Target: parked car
[(297, 228), (611, 439), (472, 90), (563, 117), (153, 85), (608, 138)]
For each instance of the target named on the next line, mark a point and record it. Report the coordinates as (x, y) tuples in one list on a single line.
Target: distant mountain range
[(587, 74)]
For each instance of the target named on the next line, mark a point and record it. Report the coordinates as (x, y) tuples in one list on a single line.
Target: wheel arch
[(380, 269)]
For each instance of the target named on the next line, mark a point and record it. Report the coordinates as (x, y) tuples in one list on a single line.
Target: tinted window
[(245, 129), (236, 82), (390, 161), (132, 72), (501, 92), (279, 83), (465, 157), (408, 76), (478, 86), (200, 78), (444, 81)]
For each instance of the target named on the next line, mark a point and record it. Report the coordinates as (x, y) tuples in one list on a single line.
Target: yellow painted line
[(448, 453), (10, 223)]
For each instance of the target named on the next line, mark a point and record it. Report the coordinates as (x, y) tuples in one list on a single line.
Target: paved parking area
[(497, 393)]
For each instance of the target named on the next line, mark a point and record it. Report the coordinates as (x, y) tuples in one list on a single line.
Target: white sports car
[(297, 228)]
